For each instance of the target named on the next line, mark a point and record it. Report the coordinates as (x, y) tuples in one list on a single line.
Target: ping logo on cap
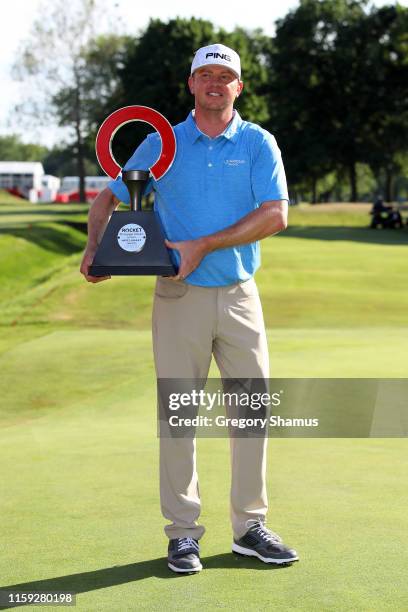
[(223, 56)]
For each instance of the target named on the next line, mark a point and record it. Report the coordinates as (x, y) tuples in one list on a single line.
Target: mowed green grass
[(80, 507)]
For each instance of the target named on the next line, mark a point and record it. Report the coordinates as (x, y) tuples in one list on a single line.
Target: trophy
[(133, 241)]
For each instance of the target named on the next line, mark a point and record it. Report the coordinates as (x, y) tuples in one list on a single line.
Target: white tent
[(26, 177)]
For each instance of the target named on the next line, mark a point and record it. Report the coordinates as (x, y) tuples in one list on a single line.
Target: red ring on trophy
[(125, 115)]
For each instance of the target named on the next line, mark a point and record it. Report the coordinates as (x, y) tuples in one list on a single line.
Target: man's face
[(215, 87)]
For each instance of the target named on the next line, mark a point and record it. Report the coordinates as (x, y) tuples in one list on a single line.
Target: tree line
[(331, 85)]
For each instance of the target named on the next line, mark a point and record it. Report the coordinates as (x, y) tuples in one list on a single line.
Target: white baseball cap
[(217, 54)]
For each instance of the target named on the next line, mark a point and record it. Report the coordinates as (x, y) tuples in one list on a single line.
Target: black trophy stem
[(135, 181)]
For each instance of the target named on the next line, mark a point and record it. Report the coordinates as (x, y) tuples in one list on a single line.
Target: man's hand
[(191, 254), (84, 269), (99, 214), (267, 220)]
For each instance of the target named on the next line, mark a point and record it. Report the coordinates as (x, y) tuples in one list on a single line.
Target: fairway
[(78, 441)]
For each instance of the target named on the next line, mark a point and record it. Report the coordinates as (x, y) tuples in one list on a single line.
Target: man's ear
[(191, 84)]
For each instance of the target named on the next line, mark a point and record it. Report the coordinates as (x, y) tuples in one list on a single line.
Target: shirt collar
[(231, 131)]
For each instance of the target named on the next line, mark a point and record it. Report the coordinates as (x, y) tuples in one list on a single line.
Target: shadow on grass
[(48, 237), (81, 226), (352, 234), (114, 576), (44, 212), (35, 230)]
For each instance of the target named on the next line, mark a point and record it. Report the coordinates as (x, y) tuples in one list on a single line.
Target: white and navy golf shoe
[(261, 542)]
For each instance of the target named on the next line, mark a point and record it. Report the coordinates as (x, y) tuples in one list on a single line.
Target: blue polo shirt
[(212, 183)]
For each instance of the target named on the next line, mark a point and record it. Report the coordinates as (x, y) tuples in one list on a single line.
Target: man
[(225, 191)]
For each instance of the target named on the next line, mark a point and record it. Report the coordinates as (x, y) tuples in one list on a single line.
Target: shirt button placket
[(210, 164)]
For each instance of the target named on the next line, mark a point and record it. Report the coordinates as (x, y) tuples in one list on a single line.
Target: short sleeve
[(141, 159), (268, 178)]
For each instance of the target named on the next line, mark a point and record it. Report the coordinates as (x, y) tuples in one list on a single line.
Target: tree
[(53, 62), (338, 90), (386, 128), (59, 162), (312, 93), (154, 73), (155, 70), (367, 88), (105, 58), (13, 149)]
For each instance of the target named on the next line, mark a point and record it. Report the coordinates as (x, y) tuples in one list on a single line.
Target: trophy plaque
[(133, 242)]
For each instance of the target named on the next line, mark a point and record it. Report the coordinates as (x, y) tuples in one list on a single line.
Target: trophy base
[(132, 271), (132, 245)]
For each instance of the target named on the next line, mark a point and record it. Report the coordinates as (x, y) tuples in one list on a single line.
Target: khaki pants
[(190, 324)]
